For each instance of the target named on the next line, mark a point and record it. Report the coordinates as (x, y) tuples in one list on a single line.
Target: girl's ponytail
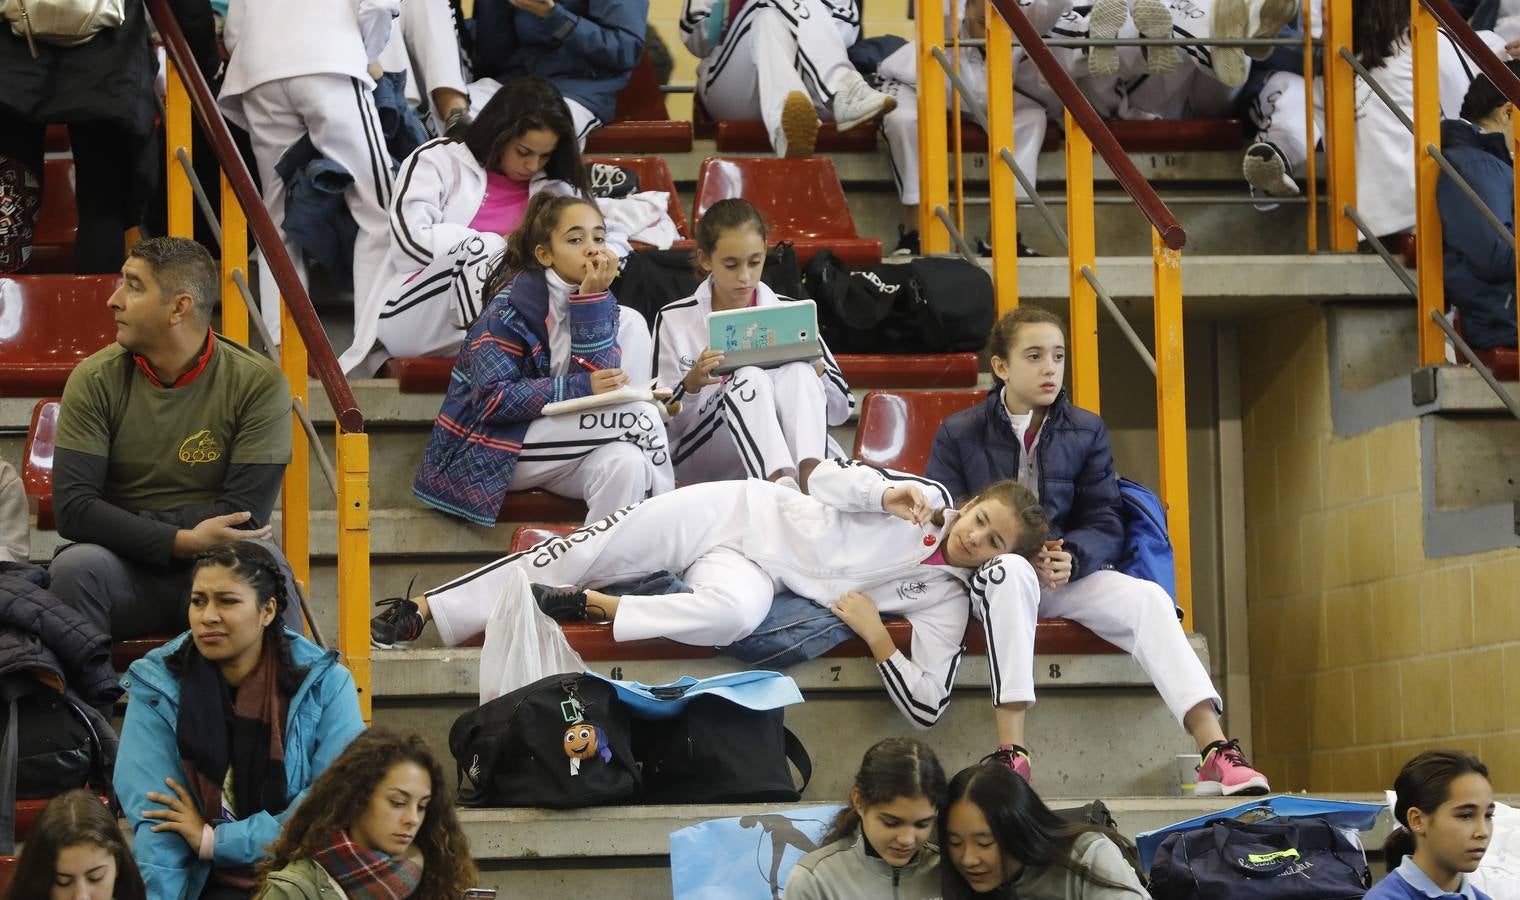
[(1398, 844)]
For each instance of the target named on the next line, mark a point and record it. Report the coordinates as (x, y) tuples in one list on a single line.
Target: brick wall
[(1363, 652)]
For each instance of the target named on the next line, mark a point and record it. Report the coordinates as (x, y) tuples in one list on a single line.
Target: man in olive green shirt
[(170, 441)]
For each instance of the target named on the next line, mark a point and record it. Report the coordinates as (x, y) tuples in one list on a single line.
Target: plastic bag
[(522, 644)]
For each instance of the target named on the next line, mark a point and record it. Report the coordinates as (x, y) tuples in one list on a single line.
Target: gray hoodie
[(1093, 853), (846, 870)]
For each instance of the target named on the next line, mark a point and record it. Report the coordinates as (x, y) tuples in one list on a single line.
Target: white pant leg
[(340, 116), (668, 532), (802, 410), (749, 400), (431, 311), (1005, 596), (637, 345), (706, 452), (1139, 618), (610, 457), (900, 128), (1278, 113), (432, 45), (730, 596), (582, 121), (274, 126)]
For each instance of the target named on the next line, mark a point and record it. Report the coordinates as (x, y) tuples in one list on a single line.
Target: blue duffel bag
[(1273, 859)]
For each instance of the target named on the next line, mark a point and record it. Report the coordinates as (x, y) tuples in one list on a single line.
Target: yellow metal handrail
[(188, 95), (1085, 134)]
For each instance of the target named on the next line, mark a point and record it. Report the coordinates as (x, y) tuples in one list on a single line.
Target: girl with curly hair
[(378, 823)]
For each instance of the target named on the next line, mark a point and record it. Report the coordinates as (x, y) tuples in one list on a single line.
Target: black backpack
[(560, 742), (649, 279), (1097, 813), (49, 744), (717, 751), (930, 305)]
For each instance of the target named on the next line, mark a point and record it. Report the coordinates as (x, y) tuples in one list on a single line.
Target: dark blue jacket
[(1078, 487), (1480, 266), (586, 48)]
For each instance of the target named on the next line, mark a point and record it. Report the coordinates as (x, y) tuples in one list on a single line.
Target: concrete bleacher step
[(847, 710)]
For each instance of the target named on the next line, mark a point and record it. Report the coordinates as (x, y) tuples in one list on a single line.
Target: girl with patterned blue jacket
[(549, 334)]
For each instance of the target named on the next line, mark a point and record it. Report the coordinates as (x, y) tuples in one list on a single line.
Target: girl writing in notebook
[(761, 423), (548, 334)]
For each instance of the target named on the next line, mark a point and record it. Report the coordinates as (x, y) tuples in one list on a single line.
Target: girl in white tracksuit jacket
[(455, 202), (760, 423), (865, 541)]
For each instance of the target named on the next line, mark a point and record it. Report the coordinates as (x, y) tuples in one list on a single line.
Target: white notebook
[(626, 394)]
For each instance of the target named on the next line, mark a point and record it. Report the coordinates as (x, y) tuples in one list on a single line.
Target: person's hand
[(219, 530), (819, 367), (538, 8), (601, 268), (180, 815), (857, 611), (907, 503), (1513, 48), (1053, 565), (606, 380), (700, 374)]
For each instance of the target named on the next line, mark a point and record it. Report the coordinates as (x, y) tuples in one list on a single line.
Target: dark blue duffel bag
[(1273, 859)]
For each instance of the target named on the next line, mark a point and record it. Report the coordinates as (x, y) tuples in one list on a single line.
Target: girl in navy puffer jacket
[(1028, 430)]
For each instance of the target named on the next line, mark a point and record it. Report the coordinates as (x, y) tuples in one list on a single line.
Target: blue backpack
[(1147, 549)]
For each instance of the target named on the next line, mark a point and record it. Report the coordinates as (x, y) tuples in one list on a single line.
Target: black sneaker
[(907, 242), (399, 622), (561, 604)]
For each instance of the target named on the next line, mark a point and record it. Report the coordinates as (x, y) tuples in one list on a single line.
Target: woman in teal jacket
[(227, 727)]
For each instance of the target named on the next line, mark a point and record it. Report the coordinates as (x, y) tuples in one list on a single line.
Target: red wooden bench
[(896, 431)]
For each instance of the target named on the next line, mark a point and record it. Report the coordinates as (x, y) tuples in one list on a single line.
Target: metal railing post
[(353, 560), (234, 259), (1340, 124), (1311, 183), (1001, 180), (1081, 252), (933, 166), (1427, 171), (1171, 416), (177, 134), (295, 495)]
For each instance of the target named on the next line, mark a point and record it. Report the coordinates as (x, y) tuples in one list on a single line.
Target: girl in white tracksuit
[(864, 541), (300, 68), (783, 62), (760, 423), (1384, 147), (455, 202)]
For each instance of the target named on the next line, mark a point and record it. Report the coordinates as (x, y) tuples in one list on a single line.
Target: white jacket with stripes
[(680, 336), (698, 38)]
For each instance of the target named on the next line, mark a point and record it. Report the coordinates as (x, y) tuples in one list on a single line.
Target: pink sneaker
[(1015, 758), (1226, 773)]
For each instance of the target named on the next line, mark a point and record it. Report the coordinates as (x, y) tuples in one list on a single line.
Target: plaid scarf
[(214, 733), (367, 874)]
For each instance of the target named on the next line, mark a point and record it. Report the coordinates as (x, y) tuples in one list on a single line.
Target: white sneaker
[(1266, 19), (1266, 170), (1153, 19), (1104, 23), (798, 135), (857, 103), (1232, 19)]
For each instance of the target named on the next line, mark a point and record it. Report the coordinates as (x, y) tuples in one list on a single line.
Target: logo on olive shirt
[(200, 447)]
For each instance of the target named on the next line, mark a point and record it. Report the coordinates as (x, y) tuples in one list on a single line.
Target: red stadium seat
[(940, 370), (1504, 362), (27, 812), (897, 430), (419, 374), (749, 136), (7, 870), (57, 139), (58, 222), (654, 175), (541, 506), (641, 123), (802, 200), (37, 461), (50, 323)]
